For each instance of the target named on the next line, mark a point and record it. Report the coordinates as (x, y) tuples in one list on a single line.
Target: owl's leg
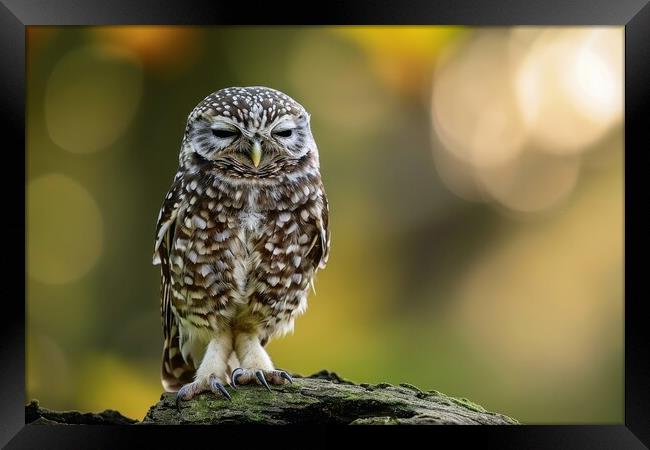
[(256, 365), (212, 372)]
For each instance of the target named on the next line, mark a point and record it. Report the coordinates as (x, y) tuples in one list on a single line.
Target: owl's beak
[(256, 153)]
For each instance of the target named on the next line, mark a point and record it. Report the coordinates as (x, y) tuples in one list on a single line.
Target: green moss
[(411, 387), (376, 421), (467, 404), (256, 416)]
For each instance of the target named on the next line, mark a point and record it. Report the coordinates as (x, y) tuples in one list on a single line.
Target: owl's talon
[(260, 376), (236, 374), (190, 390), (184, 393), (217, 387), (286, 376)]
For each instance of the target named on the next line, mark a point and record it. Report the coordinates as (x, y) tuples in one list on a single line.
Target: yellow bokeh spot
[(64, 229), (402, 56), (91, 98)]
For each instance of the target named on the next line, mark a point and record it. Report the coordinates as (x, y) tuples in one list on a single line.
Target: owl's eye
[(283, 133), (224, 134)]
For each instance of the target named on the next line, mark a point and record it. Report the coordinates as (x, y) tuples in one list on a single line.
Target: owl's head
[(248, 132)]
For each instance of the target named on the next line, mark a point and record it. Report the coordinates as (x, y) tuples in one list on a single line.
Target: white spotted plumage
[(240, 237)]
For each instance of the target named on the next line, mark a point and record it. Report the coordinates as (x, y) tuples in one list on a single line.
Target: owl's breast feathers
[(229, 251)]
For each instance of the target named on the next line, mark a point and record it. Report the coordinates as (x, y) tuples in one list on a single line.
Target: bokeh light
[(571, 80), (533, 182), (64, 229), (554, 91), (465, 83), (92, 95)]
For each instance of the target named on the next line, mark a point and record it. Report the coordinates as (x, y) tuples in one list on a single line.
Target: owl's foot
[(259, 376), (190, 390)]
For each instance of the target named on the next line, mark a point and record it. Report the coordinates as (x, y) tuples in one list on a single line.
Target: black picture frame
[(634, 15)]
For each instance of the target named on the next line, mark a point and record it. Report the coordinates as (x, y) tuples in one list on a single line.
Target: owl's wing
[(325, 232), (320, 246), (166, 217), (164, 238), (175, 371)]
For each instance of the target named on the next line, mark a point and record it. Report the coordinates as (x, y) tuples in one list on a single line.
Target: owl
[(240, 235)]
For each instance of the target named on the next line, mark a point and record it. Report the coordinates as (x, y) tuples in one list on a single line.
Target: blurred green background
[(475, 179)]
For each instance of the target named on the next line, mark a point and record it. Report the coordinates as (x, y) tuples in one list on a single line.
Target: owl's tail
[(175, 371)]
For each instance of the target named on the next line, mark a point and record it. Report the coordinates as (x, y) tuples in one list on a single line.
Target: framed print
[(360, 214)]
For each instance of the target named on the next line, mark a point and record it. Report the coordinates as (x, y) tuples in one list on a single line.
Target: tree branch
[(322, 398)]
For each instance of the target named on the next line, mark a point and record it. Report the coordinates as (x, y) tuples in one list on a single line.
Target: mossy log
[(322, 398)]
